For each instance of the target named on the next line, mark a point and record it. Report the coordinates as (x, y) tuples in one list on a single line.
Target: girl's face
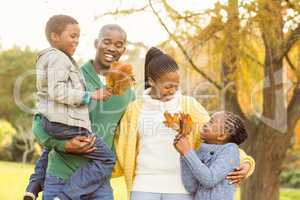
[(165, 86), (213, 132)]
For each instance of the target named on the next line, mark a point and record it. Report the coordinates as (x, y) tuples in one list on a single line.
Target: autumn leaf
[(186, 123), (120, 77), (180, 122), (171, 121)]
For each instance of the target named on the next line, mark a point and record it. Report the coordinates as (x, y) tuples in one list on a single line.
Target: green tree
[(17, 80), (6, 130), (17, 91)]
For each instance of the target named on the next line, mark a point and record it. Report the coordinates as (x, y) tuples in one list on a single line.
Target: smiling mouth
[(109, 58)]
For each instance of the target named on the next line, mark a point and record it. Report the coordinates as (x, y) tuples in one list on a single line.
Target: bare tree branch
[(293, 37), (176, 15), (250, 57), (294, 108), (122, 12), (139, 44), (183, 49), (292, 66)]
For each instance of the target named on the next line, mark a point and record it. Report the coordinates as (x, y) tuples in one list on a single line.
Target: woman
[(144, 145)]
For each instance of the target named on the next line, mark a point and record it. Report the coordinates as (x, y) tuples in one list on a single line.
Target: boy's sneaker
[(32, 191), (29, 196)]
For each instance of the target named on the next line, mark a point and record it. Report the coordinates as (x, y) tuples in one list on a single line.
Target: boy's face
[(109, 47), (165, 87), (213, 132), (68, 40)]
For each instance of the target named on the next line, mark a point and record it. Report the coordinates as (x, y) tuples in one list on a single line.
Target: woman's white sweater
[(158, 163)]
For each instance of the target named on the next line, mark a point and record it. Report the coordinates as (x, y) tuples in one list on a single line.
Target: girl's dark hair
[(157, 64), (57, 24), (234, 125)]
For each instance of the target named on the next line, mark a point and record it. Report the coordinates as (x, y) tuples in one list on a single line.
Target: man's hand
[(182, 144), (102, 94), (239, 173), (80, 144)]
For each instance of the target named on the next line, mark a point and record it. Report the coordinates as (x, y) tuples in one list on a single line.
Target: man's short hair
[(112, 27)]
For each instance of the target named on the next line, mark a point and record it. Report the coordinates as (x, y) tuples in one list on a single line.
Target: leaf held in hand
[(180, 122), (120, 77)]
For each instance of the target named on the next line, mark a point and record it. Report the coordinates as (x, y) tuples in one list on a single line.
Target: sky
[(22, 22)]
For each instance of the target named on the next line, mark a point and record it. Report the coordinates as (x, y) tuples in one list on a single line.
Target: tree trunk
[(268, 149)]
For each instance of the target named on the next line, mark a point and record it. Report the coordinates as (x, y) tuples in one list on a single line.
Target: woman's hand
[(239, 173), (182, 144), (80, 144)]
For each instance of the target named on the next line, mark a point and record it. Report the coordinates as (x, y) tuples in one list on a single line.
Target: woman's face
[(165, 86)]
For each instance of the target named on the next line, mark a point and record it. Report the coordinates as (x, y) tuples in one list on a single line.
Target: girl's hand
[(239, 173), (181, 144)]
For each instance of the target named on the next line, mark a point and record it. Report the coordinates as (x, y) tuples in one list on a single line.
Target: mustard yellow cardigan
[(127, 137)]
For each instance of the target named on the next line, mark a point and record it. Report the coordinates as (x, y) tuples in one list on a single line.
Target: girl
[(144, 145), (204, 171)]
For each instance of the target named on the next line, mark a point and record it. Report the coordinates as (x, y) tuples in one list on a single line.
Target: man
[(105, 116)]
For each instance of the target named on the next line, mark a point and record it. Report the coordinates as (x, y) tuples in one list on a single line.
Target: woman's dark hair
[(157, 64), (234, 125), (57, 24)]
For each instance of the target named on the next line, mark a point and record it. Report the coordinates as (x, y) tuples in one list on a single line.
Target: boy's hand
[(182, 144), (102, 94), (80, 144), (239, 173)]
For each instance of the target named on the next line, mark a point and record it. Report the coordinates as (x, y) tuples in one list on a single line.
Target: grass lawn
[(14, 177)]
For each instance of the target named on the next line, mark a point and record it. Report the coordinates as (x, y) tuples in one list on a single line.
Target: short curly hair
[(234, 125), (57, 24)]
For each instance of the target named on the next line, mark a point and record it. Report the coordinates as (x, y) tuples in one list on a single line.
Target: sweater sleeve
[(209, 176), (200, 117), (43, 138), (189, 181), (247, 159), (120, 139), (202, 114)]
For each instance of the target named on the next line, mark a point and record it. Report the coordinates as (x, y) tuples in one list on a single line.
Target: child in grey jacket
[(62, 105), (204, 171)]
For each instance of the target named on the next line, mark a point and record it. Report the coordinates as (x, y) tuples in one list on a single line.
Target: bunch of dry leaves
[(120, 77), (180, 122)]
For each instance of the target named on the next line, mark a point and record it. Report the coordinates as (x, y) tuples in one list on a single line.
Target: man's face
[(109, 47)]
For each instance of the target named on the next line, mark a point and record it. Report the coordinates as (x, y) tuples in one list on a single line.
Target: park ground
[(14, 177)]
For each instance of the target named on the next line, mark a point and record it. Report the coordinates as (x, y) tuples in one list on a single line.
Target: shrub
[(7, 131), (290, 179)]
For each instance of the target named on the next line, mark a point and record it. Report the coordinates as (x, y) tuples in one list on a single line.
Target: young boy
[(204, 171), (62, 105)]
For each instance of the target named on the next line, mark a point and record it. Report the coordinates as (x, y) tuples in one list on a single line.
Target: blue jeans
[(85, 180), (55, 185), (36, 181), (159, 196)]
